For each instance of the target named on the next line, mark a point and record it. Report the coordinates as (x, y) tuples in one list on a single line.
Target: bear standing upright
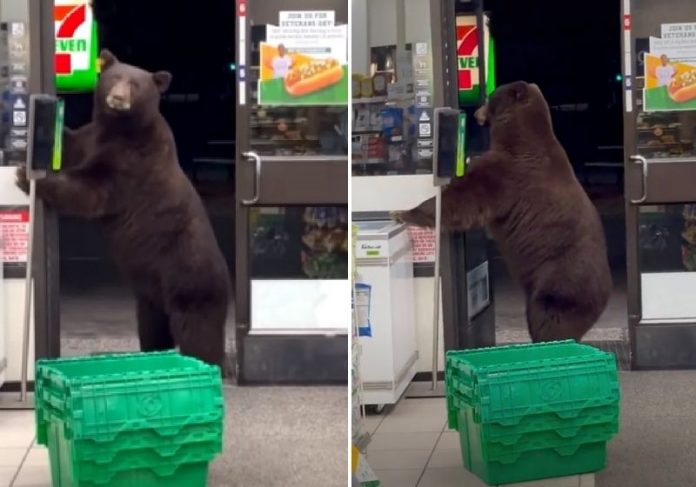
[(547, 229), (122, 171)]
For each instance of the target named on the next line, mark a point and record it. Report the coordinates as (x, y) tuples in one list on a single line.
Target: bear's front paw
[(416, 217), (396, 216), (22, 182)]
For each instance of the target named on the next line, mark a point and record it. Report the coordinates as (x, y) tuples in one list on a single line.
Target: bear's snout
[(119, 97)]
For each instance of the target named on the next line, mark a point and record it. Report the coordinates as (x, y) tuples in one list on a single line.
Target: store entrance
[(293, 311), (82, 306), (660, 130), (96, 306), (574, 56)]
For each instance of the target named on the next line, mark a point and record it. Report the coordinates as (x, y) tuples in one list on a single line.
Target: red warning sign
[(422, 243), (14, 235)]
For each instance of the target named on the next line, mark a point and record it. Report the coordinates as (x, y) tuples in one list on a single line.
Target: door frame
[(41, 29), (654, 345), (46, 237), (280, 358), (461, 251)]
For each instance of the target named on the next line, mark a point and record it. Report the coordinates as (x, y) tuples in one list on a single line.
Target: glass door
[(660, 144), (292, 288)]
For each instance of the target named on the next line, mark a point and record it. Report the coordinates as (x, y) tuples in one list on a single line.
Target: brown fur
[(122, 171), (548, 231)]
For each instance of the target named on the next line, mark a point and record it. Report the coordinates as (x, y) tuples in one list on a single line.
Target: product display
[(362, 474), (325, 243), (296, 131), (666, 134), (299, 242), (392, 113), (384, 136)]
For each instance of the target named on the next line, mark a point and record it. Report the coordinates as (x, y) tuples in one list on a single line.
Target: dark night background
[(571, 50)]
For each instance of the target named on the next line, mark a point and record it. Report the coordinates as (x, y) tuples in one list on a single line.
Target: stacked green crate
[(142, 419), (528, 412)]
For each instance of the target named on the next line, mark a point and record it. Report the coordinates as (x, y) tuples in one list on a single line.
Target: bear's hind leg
[(200, 332), (153, 327), (551, 319)]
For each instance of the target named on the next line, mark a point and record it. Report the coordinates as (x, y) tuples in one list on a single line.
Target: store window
[(393, 91), (299, 268), (665, 74), (293, 131), (666, 134), (299, 242), (667, 259)]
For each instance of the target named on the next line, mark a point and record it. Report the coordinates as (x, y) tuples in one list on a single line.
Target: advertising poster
[(468, 60), (304, 61), (670, 70), (77, 52), (422, 244)]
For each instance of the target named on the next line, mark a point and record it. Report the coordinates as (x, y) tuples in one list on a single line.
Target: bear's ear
[(521, 90), (162, 80), (107, 58)]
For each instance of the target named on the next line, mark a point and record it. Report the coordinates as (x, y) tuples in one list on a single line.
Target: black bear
[(122, 171), (525, 192)]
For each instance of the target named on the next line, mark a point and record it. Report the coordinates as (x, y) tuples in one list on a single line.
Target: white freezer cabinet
[(385, 308)]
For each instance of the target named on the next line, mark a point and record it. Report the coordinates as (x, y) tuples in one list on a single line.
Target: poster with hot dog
[(304, 63), (670, 70)]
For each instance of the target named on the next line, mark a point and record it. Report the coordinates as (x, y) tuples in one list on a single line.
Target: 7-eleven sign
[(76, 46), (468, 69)]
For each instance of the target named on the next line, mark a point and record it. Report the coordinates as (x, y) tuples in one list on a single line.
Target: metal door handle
[(257, 178), (644, 169)]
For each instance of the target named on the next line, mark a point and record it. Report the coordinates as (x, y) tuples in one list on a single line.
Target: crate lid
[(509, 382), (101, 397)]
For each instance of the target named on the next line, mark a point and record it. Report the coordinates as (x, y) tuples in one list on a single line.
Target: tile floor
[(23, 463), (412, 446)]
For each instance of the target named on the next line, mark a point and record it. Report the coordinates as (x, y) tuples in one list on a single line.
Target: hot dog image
[(313, 76), (683, 87)]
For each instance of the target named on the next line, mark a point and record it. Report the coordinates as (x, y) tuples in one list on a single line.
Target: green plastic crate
[(509, 446), (528, 412), (508, 384), (146, 419), (522, 466), (564, 424)]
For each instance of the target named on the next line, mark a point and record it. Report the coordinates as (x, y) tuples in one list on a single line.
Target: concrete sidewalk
[(274, 437)]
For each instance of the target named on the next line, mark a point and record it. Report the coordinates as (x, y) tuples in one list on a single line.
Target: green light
[(233, 67), (619, 77)]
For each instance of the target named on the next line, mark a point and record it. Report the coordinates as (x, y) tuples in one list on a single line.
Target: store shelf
[(367, 101), (274, 123), (381, 99), (283, 141), (368, 161)]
